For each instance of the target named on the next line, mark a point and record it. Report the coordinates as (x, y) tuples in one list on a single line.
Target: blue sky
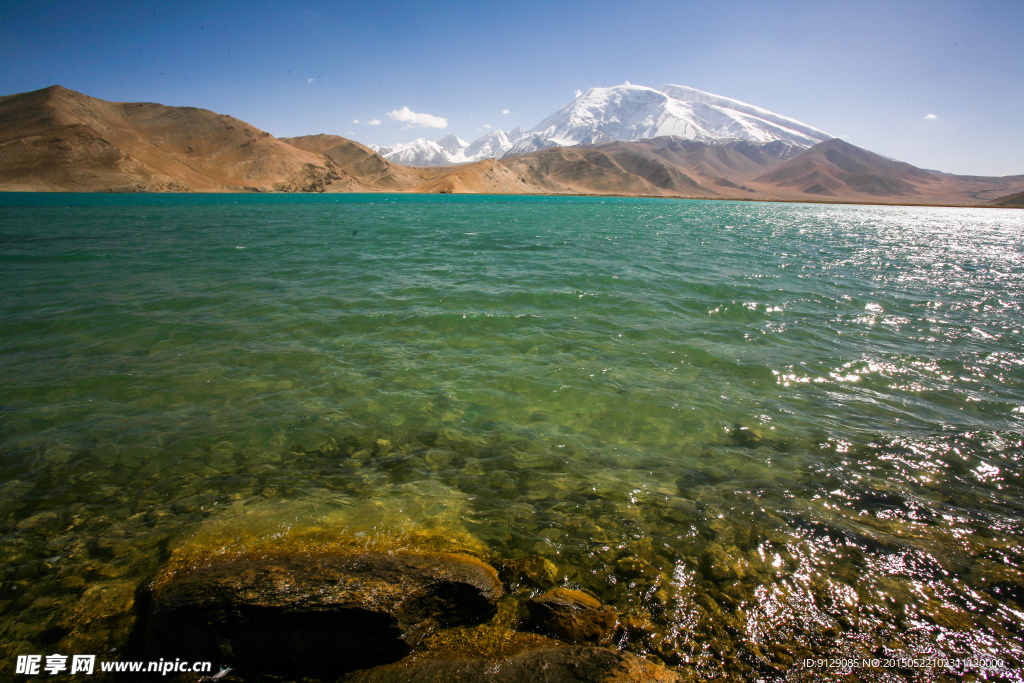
[(870, 72)]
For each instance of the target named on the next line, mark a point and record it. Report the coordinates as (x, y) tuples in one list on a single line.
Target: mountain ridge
[(56, 139)]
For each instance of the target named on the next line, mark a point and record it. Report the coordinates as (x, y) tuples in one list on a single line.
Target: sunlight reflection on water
[(764, 432)]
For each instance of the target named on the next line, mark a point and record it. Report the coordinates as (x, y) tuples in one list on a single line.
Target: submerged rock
[(315, 612), (579, 664), (572, 616), (532, 569), (633, 567)]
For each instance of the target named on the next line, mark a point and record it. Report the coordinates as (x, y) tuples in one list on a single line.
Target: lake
[(763, 432)]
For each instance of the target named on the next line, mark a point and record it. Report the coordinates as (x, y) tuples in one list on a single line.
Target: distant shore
[(4, 192)]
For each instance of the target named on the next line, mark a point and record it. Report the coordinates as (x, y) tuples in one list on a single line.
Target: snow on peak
[(419, 152), (635, 112), (494, 145), (452, 144), (621, 112), (686, 94)]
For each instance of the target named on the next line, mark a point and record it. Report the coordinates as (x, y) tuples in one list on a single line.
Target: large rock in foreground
[(573, 616), (548, 665), (314, 613)]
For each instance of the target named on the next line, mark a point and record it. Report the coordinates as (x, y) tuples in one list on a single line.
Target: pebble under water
[(777, 438)]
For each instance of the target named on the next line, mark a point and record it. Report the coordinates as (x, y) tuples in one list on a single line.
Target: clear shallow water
[(765, 432)]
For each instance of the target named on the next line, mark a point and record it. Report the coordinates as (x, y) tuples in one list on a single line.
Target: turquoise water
[(765, 431)]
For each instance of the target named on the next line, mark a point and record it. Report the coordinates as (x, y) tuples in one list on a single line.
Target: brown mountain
[(712, 170), (1014, 200), (361, 168), (374, 172), (616, 168), (613, 168), (57, 139), (734, 161), (838, 169)]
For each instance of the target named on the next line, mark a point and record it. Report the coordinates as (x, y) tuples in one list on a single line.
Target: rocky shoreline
[(283, 582), (379, 616)]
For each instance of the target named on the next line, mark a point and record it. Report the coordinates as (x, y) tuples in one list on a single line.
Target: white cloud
[(577, 93), (487, 125), (310, 80), (931, 117), (406, 115), (373, 122), (505, 111), (355, 120)]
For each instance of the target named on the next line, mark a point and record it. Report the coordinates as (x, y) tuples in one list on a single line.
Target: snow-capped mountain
[(622, 112), (452, 144), (419, 152), (636, 112), (494, 144), (450, 149), (763, 125)]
